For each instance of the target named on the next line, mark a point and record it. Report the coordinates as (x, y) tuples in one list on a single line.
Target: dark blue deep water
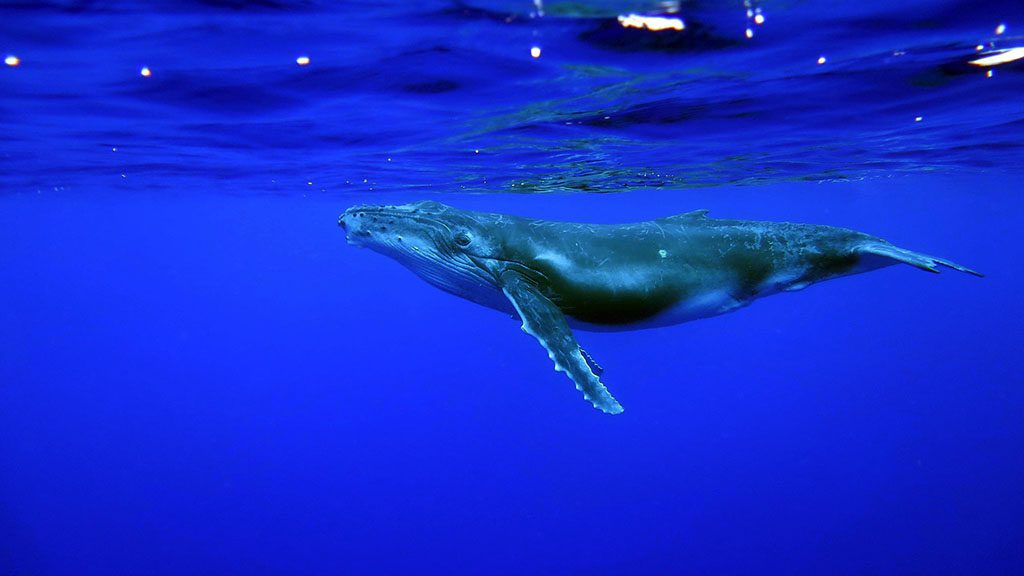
[(198, 376)]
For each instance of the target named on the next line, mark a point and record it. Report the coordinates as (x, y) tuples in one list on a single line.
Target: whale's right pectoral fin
[(544, 321)]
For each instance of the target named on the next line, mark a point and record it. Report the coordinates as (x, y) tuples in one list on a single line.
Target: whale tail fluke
[(915, 259)]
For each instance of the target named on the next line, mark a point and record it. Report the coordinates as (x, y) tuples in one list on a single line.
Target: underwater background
[(199, 376)]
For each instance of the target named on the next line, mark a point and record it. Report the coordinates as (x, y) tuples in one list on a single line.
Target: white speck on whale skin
[(663, 253)]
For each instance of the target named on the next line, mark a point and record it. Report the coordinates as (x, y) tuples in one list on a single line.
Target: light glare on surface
[(1000, 57), (535, 51), (12, 60), (1000, 29), (302, 60), (759, 19), (821, 60), (749, 33), (146, 72), (652, 23)]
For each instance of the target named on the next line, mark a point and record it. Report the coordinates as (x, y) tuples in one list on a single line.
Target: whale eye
[(463, 239)]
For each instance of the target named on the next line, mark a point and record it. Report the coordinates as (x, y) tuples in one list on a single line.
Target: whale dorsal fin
[(544, 321), (694, 215)]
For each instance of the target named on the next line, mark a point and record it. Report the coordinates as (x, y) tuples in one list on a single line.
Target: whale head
[(452, 249)]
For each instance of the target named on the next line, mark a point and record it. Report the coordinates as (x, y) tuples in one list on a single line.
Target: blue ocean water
[(199, 376)]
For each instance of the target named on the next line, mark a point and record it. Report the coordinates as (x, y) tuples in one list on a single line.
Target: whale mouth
[(355, 235), (344, 226)]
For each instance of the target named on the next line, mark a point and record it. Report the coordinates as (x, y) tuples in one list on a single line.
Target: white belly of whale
[(704, 305)]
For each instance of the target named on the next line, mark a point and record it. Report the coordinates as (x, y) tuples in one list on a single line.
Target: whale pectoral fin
[(596, 368), (544, 321)]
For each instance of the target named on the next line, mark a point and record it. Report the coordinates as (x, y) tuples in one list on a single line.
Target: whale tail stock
[(915, 259)]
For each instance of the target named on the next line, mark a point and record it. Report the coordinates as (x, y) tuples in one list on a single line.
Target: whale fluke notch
[(544, 321), (915, 259)]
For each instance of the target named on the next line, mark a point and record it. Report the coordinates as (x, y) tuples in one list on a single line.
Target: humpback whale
[(561, 275)]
